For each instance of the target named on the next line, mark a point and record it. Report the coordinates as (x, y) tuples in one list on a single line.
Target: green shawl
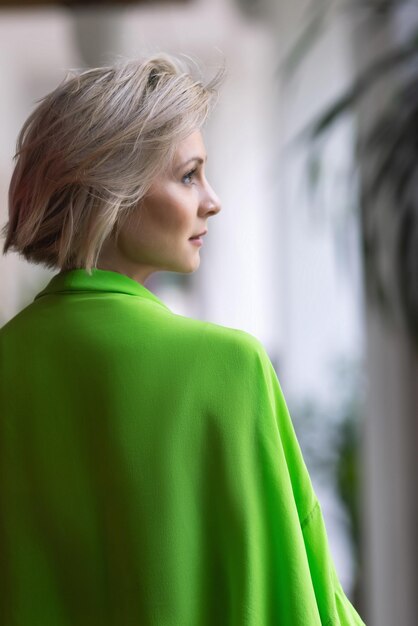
[(149, 471)]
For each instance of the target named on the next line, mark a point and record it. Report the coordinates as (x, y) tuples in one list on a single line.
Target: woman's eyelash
[(190, 174)]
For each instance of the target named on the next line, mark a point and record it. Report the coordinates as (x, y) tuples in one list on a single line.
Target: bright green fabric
[(149, 471)]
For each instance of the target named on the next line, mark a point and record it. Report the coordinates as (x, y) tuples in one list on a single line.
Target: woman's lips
[(197, 241), (199, 234)]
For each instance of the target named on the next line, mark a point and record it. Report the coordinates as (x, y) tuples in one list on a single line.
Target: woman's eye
[(189, 176)]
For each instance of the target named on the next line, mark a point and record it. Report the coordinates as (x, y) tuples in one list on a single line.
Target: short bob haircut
[(91, 149)]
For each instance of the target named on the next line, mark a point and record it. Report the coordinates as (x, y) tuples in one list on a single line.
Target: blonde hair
[(90, 150)]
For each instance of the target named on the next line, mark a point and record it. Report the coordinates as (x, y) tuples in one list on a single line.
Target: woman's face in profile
[(156, 236)]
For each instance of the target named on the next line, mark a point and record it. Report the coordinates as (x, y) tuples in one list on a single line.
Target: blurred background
[(313, 152)]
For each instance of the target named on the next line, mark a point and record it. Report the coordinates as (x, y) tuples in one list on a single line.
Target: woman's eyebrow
[(195, 158)]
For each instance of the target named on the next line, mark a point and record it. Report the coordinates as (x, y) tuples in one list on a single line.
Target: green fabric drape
[(149, 471)]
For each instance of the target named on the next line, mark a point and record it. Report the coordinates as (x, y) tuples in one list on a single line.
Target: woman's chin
[(188, 266), (193, 264)]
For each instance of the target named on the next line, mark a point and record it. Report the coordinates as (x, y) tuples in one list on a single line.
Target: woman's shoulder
[(218, 338), (222, 332)]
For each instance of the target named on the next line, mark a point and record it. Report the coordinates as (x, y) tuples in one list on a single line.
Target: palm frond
[(393, 139), (313, 27), (315, 21), (392, 146), (388, 62)]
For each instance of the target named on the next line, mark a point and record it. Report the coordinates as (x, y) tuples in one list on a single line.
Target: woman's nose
[(212, 202)]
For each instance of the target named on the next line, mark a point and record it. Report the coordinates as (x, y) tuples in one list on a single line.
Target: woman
[(149, 470)]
